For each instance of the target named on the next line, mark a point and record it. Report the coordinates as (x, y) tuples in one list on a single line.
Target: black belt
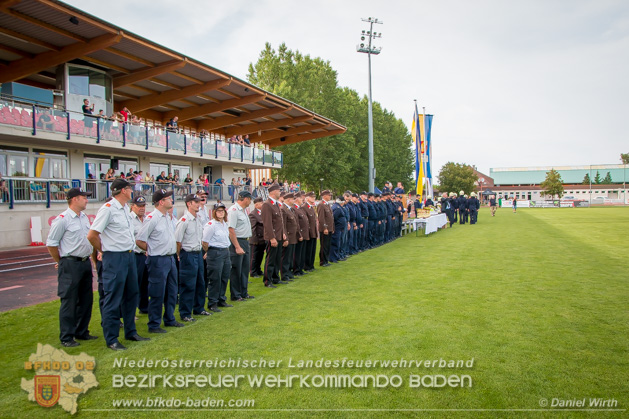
[(217, 248), (191, 251), (78, 259)]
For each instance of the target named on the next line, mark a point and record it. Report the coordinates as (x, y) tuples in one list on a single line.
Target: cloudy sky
[(511, 83)]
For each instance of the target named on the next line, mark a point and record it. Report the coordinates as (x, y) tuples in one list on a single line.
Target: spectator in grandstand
[(110, 175), (88, 120), (246, 139), (45, 121), (125, 114), (172, 125)]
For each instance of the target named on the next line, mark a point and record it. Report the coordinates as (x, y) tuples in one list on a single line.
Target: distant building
[(523, 182)]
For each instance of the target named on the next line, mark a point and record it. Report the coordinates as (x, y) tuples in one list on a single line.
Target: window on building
[(86, 82), (14, 161), (50, 164)]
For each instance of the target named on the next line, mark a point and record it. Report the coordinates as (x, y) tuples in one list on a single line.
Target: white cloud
[(510, 83)]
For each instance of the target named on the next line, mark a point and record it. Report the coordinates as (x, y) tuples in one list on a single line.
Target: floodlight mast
[(369, 50)]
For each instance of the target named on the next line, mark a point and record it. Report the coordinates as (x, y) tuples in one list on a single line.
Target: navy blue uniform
[(340, 226), (473, 205)]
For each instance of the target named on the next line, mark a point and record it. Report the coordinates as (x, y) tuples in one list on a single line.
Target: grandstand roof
[(153, 81), (569, 174)]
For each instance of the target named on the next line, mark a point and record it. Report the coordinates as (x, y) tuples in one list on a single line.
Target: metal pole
[(371, 162), (424, 151)]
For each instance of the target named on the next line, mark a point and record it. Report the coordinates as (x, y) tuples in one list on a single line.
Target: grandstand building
[(53, 57)]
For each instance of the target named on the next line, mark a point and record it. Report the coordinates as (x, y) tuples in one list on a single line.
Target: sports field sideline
[(535, 303)]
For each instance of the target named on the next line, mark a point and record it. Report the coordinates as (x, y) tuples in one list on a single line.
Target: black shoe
[(283, 282), (215, 309), (237, 299), (137, 338), (86, 337), (298, 274), (188, 319), (325, 264), (250, 297), (174, 324), (157, 330), (255, 276), (70, 343), (204, 313), (117, 346), (224, 304), (334, 261), (270, 286), (303, 273), (289, 280)]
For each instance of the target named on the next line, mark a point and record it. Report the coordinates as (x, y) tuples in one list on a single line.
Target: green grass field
[(539, 300)]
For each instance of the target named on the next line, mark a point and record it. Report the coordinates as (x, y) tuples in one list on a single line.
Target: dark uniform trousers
[(120, 289), (462, 215), (473, 215), (310, 253), (388, 227), (298, 259), (349, 239), (143, 281), (364, 235), (372, 233), (239, 275), (273, 263), (218, 269), (257, 254), (75, 292), (324, 249), (335, 245), (163, 287), (192, 283), (288, 254)]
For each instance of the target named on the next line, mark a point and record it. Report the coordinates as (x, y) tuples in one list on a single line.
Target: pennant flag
[(428, 123), (417, 139)]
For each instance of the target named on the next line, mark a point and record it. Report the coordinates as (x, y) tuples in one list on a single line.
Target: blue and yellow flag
[(416, 134)]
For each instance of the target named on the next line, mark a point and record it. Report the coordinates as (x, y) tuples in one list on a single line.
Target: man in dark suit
[(291, 229), (304, 231), (326, 227), (274, 236), (311, 245), (257, 243)]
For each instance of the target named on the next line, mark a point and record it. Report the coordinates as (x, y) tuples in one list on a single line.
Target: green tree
[(455, 177), (586, 179), (552, 185), (342, 160), (624, 157), (607, 180), (597, 178)]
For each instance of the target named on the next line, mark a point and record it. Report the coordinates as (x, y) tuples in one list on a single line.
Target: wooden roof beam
[(193, 112), (149, 101), (224, 121), (44, 25), (272, 135), (29, 39), (16, 51), (25, 66), (147, 73), (304, 137), (263, 126)]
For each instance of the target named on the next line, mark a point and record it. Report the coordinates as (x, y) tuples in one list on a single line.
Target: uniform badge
[(108, 205), (47, 389)]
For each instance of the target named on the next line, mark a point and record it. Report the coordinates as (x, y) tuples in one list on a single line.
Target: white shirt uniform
[(216, 234), (68, 232), (113, 222), (157, 232), (137, 225), (203, 215), (239, 221), (189, 232)]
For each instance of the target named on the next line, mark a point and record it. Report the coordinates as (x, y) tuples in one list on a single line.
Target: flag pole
[(424, 151)]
